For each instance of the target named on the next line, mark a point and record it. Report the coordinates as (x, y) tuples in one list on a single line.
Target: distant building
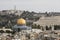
[(53, 20), (48, 21), (6, 12)]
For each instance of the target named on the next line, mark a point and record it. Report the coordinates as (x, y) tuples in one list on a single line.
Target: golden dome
[(21, 21)]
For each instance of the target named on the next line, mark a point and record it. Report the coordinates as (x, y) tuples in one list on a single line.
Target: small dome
[(21, 21)]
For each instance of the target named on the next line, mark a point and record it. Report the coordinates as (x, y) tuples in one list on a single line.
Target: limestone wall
[(53, 20)]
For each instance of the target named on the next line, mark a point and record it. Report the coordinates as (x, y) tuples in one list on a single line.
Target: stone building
[(48, 21)]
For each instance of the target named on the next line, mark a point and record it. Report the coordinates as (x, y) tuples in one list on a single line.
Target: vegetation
[(10, 20), (36, 26)]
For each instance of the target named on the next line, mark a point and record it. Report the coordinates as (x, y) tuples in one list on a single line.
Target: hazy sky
[(31, 5)]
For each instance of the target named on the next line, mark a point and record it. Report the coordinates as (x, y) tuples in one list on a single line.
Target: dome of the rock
[(21, 21)]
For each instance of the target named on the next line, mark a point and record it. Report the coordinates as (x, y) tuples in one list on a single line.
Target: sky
[(31, 5)]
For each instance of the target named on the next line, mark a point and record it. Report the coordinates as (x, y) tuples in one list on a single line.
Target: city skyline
[(31, 5)]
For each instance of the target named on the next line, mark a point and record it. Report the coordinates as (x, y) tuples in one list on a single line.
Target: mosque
[(21, 25)]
